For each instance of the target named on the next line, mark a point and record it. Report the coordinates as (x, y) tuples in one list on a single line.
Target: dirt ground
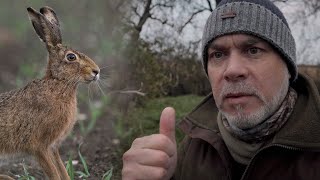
[(99, 148)]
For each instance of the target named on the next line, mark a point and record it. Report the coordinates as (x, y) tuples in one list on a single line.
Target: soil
[(99, 147)]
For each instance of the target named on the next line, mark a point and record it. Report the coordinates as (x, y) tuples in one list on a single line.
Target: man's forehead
[(241, 38)]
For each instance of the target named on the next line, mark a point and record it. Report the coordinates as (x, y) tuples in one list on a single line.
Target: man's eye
[(253, 51), (216, 55)]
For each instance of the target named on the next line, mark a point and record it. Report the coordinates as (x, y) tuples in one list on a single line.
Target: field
[(103, 138)]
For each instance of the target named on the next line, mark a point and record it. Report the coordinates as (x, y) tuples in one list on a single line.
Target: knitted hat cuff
[(253, 19)]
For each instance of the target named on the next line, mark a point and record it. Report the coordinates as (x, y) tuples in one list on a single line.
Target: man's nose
[(236, 69)]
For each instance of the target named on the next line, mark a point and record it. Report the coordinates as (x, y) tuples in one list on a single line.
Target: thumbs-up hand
[(154, 156)]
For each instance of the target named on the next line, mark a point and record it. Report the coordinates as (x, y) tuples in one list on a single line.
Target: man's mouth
[(237, 97)]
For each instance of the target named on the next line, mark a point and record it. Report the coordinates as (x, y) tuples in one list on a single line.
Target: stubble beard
[(242, 120)]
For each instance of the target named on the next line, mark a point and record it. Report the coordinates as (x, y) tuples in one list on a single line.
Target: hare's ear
[(47, 29), (51, 16)]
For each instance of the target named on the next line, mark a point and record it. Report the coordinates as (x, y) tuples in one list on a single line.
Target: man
[(261, 120)]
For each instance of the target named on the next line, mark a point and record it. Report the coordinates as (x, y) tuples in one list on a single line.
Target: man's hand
[(154, 156)]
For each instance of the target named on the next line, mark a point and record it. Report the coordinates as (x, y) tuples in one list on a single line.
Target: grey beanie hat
[(260, 18)]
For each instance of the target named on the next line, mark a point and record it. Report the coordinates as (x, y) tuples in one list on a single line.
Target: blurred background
[(149, 54)]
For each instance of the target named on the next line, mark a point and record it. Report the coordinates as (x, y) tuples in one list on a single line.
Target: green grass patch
[(144, 120), (70, 168), (85, 173), (108, 175)]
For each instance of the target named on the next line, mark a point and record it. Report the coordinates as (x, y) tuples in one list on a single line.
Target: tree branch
[(210, 5), (135, 10), (161, 5), (132, 92), (190, 19), (143, 19), (160, 20)]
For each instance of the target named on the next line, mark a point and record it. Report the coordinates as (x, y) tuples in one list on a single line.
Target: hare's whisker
[(93, 88), (65, 87), (101, 89), (89, 95), (104, 76), (104, 67), (104, 84), (78, 79), (69, 84)]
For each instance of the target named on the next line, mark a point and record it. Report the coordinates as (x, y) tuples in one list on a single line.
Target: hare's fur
[(36, 118)]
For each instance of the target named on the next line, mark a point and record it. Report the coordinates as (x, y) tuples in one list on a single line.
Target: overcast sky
[(305, 29)]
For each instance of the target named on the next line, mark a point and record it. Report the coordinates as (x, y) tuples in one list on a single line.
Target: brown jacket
[(293, 153)]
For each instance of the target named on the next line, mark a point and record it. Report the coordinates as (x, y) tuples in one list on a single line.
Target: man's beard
[(241, 120)]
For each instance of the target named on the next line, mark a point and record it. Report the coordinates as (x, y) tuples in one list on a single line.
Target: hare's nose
[(95, 73)]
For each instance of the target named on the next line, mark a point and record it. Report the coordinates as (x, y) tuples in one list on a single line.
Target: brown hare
[(36, 118)]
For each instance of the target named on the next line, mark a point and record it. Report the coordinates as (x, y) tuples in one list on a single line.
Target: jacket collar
[(302, 130)]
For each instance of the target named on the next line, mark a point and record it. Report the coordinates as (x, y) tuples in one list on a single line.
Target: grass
[(145, 120), (107, 175), (70, 168), (26, 175), (85, 173)]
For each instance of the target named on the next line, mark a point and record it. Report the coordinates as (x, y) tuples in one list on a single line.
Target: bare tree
[(150, 19), (194, 9), (142, 11), (303, 19)]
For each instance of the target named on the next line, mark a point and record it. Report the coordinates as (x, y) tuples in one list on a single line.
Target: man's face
[(249, 80)]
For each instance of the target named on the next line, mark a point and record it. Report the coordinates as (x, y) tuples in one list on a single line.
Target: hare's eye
[(71, 57)]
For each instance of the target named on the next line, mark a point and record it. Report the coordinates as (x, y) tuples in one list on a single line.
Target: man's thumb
[(167, 123)]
